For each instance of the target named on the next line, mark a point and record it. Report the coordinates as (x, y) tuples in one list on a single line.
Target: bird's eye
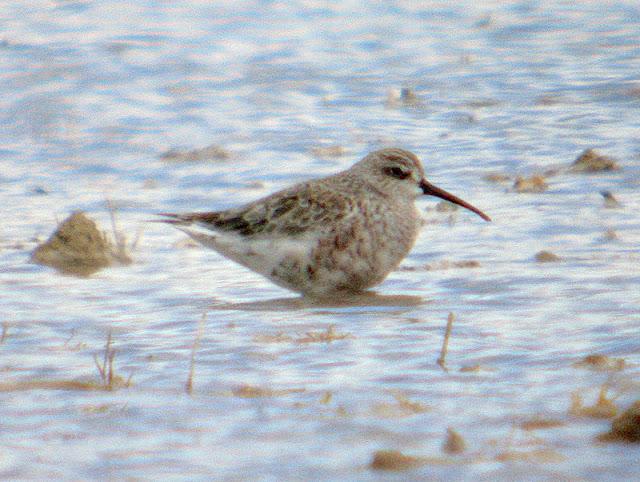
[(396, 172)]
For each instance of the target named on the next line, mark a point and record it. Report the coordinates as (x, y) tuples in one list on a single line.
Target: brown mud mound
[(592, 161), (393, 460), (530, 184), (78, 247), (626, 427)]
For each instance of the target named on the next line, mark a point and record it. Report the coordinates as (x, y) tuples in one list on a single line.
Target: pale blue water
[(92, 93)]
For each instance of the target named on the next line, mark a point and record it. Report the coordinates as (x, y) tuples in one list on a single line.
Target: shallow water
[(93, 93)]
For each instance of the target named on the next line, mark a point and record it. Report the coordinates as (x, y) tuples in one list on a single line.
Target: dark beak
[(431, 190)]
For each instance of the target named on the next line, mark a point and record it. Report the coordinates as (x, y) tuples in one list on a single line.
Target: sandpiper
[(339, 234)]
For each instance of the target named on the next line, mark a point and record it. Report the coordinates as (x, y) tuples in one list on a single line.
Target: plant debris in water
[(252, 391), (542, 455), (79, 248), (547, 257), (402, 408), (540, 422), (212, 152), (626, 427), (318, 336), (601, 363), (110, 380), (323, 336), (592, 161), (445, 342), (603, 408), (497, 177)]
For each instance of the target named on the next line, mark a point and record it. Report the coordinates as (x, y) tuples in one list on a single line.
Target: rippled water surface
[(94, 93)]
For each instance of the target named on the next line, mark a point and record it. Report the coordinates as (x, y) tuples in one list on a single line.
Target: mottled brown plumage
[(342, 233)]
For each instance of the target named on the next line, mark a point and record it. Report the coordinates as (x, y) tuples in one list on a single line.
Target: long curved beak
[(431, 190)]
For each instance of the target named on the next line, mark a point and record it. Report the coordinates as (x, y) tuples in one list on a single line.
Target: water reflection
[(361, 300)]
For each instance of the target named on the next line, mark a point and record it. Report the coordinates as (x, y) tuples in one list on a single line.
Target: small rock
[(591, 161)]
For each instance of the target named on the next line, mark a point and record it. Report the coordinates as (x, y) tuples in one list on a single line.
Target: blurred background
[(126, 109)]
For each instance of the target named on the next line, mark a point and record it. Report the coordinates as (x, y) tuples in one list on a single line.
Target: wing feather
[(292, 212)]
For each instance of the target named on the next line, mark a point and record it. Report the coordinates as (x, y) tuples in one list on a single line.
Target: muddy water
[(93, 95)]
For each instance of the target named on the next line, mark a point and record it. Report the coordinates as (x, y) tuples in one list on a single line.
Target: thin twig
[(445, 342), (117, 234), (134, 244), (106, 368), (194, 348), (107, 351), (99, 367), (110, 373)]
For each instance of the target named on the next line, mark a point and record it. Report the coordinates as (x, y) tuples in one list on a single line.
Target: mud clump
[(592, 161), (626, 427), (530, 184), (210, 153), (454, 443), (394, 460), (78, 247), (547, 257)]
